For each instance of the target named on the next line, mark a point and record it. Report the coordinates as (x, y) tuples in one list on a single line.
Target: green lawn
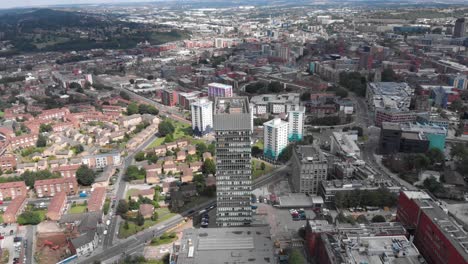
[(166, 238), (259, 144), (181, 130), (42, 213), (257, 171), (163, 213), (1, 218), (78, 209)]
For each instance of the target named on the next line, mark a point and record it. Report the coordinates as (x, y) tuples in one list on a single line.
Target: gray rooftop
[(226, 245), (232, 113), (309, 154)]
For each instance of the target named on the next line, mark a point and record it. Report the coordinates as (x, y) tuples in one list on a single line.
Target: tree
[(75, 85), (132, 108), (459, 151), (45, 128), (30, 177), (286, 154), (124, 95), (362, 219), (29, 218), (378, 219), (155, 216), (262, 166), (168, 138), (256, 151), (150, 77), (85, 176), (126, 226), (41, 141), (77, 149), (435, 155), (275, 87), (140, 220), (122, 207), (166, 127), (456, 105), (209, 167), (433, 185), (305, 96), (131, 81), (421, 161), (140, 156), (341, 93), (388, 75), (201, 148)]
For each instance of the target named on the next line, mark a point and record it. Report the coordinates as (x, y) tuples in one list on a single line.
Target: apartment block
[(50, 187), (309, 168), (12, 190), (275, 137), (202, 117)]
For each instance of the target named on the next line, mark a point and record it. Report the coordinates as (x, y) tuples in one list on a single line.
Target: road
[(120, 191), (30, 233), (135, 243), (370, 147)]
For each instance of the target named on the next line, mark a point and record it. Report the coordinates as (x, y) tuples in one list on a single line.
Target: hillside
[(54, 30)]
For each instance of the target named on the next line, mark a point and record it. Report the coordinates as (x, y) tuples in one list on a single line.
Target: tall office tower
[(233, 131), (219, 90), (275, 136), (202, 117), (459, 31), (296, 124)]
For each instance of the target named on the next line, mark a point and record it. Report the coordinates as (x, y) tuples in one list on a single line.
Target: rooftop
[(309, 154), (226, 245), (232, 113)]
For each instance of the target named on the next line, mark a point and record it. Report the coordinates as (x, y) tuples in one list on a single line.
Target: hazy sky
[(35, 3)]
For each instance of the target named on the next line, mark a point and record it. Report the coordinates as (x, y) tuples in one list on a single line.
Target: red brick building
[(67, 171), (97, 199), (57, 206), (7, 162), (12, 190), (169, 97), (14, 209), (438, 237), (49, 187)]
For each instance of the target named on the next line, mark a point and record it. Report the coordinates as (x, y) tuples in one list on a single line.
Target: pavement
[(29, 249)]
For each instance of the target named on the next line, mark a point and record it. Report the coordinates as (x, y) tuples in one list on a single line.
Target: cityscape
[(234, 132)]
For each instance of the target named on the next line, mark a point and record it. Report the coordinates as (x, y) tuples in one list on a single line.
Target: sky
[(36, 3)]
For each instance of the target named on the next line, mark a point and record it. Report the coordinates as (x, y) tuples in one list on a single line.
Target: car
[(1, 237)]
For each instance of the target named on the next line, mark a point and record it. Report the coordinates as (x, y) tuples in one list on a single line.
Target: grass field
[(78, 209), (1, 218), (257, 171), (133, 228), (181, 130), (166, 238)]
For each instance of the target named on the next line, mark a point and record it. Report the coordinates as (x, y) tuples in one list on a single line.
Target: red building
[(169, 97), (393, 116), (437, 236)]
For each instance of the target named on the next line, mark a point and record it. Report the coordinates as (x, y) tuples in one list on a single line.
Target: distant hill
[(55, 30)]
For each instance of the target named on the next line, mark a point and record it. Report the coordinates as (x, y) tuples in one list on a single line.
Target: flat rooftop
[(391, 88), (232, 113), (309, 154), (226, 245)]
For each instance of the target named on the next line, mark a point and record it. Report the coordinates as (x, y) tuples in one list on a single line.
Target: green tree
[(132, 108), (132, 81), (155, 216), (140, 156), (201, 148), (256, 151), (435, 155), (459, 151), (378, 219), (29, 218), (126, 226), (45, 128), (124, 95), (457, 105), (122, 207), (421, 161), (140, 220), (166, 127), (388, 75), (209, 167), (30, 177), (262, 166), (75, 85), (41, 141), (286, 154), (433, 185), (169, 138), (85, 176)]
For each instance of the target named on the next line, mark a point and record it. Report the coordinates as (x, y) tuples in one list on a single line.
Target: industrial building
[(439, 238)]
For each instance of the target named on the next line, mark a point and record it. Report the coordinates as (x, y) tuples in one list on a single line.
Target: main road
[(136, 242), (121, 189)]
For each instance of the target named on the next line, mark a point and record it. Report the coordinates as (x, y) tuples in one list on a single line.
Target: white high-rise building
[(296, 124), (202, 117), (275, 137)]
